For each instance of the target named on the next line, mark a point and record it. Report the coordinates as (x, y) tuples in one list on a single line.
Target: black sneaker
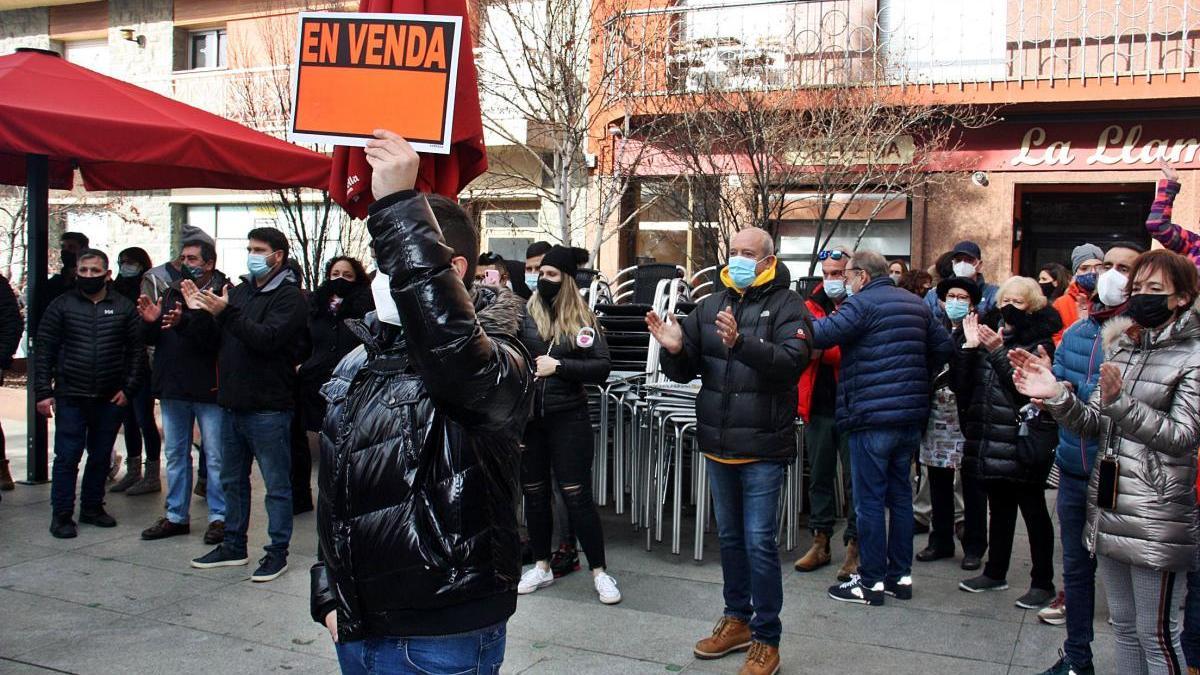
[(854, 591), (165, 528), (1065, 667), (983, 583), (971, 563), (270, 567), (564, 561), (929, 554), (219, 557), (62, 526), (1036, 598), (901, 589), (97, 516)]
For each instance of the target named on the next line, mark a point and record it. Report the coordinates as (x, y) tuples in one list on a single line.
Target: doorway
[(1051, 220)]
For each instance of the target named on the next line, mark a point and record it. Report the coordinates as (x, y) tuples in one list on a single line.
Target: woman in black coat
[(1009, 442), (563, 337), (141, 429)]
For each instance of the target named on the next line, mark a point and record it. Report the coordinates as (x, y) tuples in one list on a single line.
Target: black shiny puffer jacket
[(90, 349), (419, 450), (578, 366), (990, 407)]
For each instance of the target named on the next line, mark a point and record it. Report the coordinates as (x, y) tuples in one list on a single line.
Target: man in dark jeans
[(748, 342), (891, 345), (89, 343), (258, 324)]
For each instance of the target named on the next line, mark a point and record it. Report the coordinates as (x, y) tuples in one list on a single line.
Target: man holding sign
[(419, 556)]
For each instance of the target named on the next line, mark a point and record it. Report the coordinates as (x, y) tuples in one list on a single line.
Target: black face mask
[(90, 285), (68, 259), (339, 287), (1014, 316), (1047, 289), (548, 289), (1150, 310)]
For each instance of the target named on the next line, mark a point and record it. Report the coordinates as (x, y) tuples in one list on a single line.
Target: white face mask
[(964, 269), (385, 305), (1110, 288), (895, 276)]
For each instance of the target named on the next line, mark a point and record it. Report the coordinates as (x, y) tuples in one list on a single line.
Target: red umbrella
[(350, 184), (56, 117), (123, 137)]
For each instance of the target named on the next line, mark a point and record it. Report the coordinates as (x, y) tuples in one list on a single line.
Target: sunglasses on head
[(835, 255)]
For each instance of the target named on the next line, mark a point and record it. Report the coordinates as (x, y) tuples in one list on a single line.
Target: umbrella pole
[(37, 193)]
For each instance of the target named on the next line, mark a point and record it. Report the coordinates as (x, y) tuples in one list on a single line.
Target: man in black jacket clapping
[(419, 554), (259, 324), (90, 344)]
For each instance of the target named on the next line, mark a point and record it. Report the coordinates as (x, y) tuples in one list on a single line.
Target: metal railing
[(250, 96), (700, 45)]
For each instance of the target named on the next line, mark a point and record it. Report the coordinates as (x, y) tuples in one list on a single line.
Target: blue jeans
[(879, 463), (79, 424), (178, 419), (479, 652), (261, 436), (1079, 568), (746, 504)]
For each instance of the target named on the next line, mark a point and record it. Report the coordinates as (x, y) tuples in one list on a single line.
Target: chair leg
[(701, 507)]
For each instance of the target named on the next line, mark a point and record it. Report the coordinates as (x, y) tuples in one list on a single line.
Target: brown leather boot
[(730, 635), (763, 659), (817, 556), (851, 565)]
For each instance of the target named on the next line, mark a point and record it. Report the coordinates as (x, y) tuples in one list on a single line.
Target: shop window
[(889, 232)]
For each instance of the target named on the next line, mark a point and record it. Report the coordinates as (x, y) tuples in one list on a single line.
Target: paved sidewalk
[(108, 602)]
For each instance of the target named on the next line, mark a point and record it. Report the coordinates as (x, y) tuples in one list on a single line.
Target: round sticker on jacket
[(585, 338)]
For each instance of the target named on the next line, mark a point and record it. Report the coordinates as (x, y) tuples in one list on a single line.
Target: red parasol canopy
[(123, 137), (350, 185)]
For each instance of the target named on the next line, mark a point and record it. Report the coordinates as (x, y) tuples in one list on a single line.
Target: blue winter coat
[(1077, 361), (891, 348)]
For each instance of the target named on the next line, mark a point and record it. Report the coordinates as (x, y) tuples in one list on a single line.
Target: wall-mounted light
[(128, 36)]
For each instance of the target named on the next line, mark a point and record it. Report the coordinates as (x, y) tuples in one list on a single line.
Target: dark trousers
[(975, 515), (82, 424), (941, 499), (1079, 569), (263, 437), (824, 445), (561, 444), (1005, 499), (880, 459), (301, 460), (141, 427), (745, 500)]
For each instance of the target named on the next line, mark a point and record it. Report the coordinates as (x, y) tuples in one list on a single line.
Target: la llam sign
[(1062, 146)]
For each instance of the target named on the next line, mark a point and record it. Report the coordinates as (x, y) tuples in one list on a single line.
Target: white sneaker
[(533, 579), (606, 588)]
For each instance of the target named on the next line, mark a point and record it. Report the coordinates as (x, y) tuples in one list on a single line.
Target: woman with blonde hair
[(564, 338), (1009, 441)]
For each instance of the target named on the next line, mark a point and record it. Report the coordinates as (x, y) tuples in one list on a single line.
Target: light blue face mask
[(531, 280), (741, 271), (257, 265), (957, 310), (836, 288)]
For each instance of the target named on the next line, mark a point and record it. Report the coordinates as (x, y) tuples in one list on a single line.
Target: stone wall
[(24, 28)]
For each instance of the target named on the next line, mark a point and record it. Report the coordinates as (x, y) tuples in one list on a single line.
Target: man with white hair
[(891, 345), (748, 342)]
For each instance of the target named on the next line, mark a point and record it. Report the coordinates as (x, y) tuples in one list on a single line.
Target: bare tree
[(260, 96), (545, 73)]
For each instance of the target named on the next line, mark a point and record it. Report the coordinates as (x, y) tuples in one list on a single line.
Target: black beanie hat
[(565, 259)]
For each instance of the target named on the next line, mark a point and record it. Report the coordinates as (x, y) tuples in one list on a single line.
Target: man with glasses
[(890, 344), (966, 262), (818, 391)]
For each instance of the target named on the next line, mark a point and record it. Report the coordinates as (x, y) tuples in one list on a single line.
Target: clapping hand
[(727, 328), (171, 318), (1110, 383), (1020, 358), (990, 339), (668, 332), (970, 327), (191, 294), (212, 303), (150, 312), (1036, 381)]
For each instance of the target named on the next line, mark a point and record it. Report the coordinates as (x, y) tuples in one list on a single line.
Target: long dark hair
[(360, 273), (1061, 276), (320, 304)]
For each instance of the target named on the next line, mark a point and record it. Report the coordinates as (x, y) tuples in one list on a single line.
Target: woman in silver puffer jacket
[(1146, 414)]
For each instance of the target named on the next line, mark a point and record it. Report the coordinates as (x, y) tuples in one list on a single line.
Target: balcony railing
[(256, 97), (699, 45)]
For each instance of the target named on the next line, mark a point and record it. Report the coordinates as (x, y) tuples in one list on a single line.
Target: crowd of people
[(445, 387)]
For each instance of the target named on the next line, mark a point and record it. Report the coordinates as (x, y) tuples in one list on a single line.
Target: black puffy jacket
[(10, 324), (90, 349), (746, 408), (989, 407), (260, 334), (416, 515), (577, 366)]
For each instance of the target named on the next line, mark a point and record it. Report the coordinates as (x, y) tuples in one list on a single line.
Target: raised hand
[(727, 328), (1168, 171), (393, 162), (668, 333), (150, 312), (970, 326), (1036, 381), (1110, 383)]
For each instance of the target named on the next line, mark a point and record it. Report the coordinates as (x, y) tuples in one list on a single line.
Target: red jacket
[(831, 357)]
